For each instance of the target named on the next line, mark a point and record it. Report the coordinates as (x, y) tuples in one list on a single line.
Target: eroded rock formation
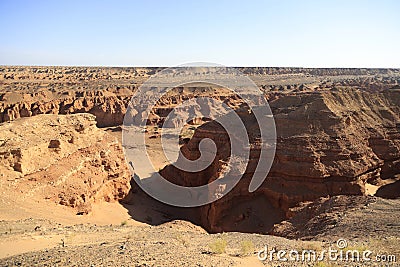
[(328, 143), (64, 158), (108, 108), (105, 92)]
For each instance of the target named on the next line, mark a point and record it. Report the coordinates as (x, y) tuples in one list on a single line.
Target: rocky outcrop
[(318, 217), (108, 108), (105, 92), (63, 158), (391, 190), (328, 143)]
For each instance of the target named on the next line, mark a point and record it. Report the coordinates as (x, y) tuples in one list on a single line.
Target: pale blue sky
[(342, 33)]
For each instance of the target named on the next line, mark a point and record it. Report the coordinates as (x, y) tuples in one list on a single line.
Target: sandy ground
[(103, 213), (177, 243), (22, 206), (371, 189)]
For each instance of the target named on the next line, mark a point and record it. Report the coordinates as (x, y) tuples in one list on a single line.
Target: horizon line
[(177, 66)]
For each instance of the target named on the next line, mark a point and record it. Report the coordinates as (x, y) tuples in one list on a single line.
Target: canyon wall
[(65, 159), (108, 108), (337, 129), (328, 143), (105, 92)]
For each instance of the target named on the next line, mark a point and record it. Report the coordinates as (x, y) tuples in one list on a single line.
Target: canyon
[(328, 143), (338, 145)]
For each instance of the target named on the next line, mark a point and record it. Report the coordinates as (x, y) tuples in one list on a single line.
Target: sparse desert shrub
[(359, 247), (246, 247), (123, 223), (311, 245), (218, 246), (387, 245)]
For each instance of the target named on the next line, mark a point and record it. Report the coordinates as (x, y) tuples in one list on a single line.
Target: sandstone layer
[(328, 143), (105, 92), (65, 159), (337, 129)]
